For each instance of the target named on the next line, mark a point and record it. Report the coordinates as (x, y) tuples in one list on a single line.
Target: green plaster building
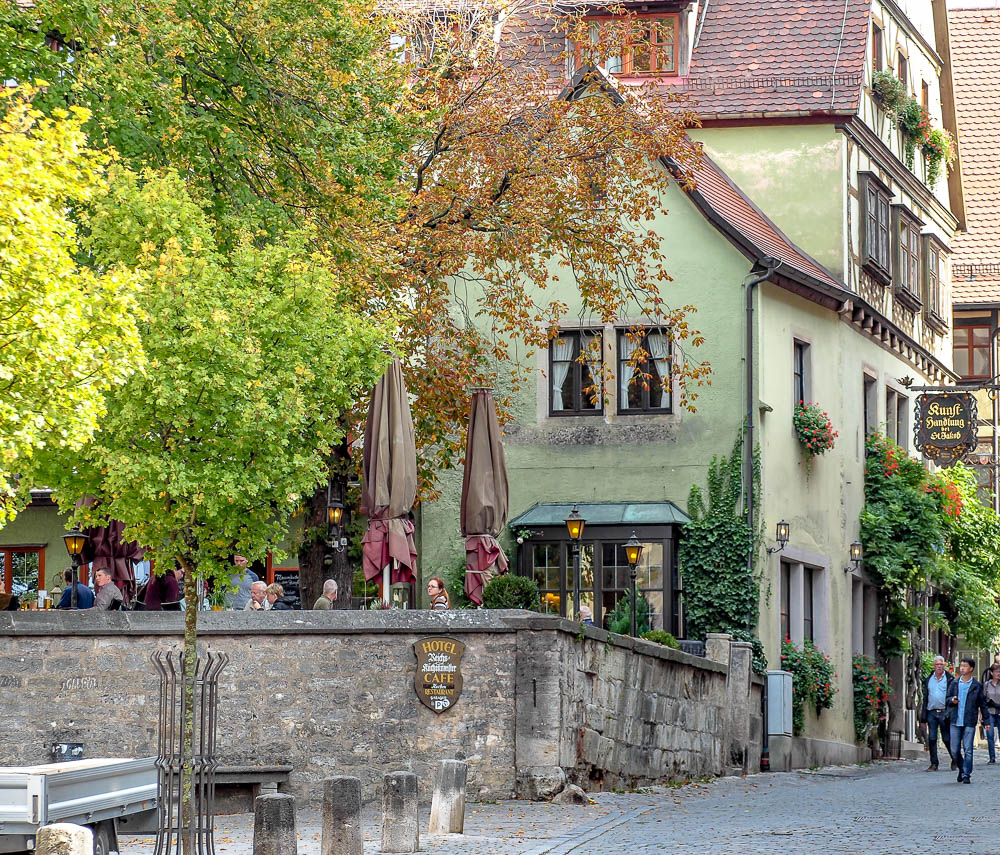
[(805, 166)]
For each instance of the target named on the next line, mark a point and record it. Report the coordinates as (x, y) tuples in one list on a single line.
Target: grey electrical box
[(779, 703)]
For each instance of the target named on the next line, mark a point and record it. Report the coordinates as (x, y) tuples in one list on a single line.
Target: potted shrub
[(915, 122), (814, 430), (511, 592), (889, 91), (938, 149)]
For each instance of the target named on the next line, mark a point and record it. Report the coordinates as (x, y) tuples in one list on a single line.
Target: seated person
[(84, 596), (277, 598), (108, 598)]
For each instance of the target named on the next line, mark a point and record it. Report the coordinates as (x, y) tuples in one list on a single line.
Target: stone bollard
[(400, 821), (274, 825), (448, 805), (64, 838), (342, 816)]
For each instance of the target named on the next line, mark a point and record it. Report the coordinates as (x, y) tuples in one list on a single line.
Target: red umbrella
[(389, 482), (484, 496)]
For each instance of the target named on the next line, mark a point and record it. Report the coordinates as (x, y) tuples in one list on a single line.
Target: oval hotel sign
[(438, 680), (946, 426)]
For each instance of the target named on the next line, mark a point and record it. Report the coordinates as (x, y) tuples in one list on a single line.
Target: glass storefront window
[(545, 572)]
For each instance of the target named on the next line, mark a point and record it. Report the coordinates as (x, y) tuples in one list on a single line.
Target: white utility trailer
[(97, 793)]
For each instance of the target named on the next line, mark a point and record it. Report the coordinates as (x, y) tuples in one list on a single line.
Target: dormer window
[(650, 47)]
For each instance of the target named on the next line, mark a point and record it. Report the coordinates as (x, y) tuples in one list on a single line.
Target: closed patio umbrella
[(389, 483), (484, 496), (105, 549)]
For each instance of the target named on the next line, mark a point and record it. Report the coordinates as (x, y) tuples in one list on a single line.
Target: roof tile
[(779, 56), (975, 50)]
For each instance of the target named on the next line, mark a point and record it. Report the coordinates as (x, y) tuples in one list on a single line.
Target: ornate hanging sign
[(946, 426), (438, 680)]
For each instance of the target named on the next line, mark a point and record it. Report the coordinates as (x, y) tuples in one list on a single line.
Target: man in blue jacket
[(84, 596), (967, 706), (934, 711)]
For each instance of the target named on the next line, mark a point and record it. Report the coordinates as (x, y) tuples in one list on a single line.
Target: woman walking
[(991, 690)]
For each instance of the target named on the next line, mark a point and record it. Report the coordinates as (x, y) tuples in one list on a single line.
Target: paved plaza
[(893, 807)]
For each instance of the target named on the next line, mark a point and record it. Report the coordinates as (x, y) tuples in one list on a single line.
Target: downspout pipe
[(762, 271), (768, 265)]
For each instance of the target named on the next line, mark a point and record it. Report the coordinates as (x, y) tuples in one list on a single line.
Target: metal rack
[(187, 753)]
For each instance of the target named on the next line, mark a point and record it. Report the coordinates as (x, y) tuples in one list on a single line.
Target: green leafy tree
[(253, 355), (971, 576), (67, 334), (921, 530)]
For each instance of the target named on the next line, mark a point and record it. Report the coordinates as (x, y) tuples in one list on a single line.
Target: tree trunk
[(318, 561), (189, 824)]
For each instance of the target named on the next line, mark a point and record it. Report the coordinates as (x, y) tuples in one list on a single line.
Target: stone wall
[(332, 693), (626, 713)]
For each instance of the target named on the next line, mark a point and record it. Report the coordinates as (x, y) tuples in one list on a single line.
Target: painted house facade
[(804, 164)]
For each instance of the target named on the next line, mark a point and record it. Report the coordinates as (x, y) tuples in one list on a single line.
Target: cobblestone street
[(894, 808)]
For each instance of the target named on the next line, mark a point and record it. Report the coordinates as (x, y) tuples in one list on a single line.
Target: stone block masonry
[(332, 693)]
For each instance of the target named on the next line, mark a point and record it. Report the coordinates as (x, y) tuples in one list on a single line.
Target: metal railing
[(186, 758)]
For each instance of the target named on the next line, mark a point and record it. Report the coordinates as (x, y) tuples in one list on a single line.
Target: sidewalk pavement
[(892, 807)]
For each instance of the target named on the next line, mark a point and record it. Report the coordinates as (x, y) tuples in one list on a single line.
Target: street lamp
[(334, 517), (75, 541), (781, 534), (574, 525), (633, 552), (856, 555)]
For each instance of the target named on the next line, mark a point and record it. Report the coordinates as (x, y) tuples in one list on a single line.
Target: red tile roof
[(975, 51), (797, 57)]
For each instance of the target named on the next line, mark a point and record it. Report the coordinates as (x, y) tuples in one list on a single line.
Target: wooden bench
[(236, 787)]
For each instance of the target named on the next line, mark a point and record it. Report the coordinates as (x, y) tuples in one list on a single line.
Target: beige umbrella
[(484, 496), (389, 483)]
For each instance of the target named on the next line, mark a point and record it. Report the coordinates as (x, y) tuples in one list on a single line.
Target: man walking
[(326, 600), (967, 706), (934, 711)]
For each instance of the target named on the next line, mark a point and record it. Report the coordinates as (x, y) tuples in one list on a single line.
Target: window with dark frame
[(650, 50), (547, 573), (785, 585), (902, 421), (572, 389), (645, 387), (878, 227), (925, 94), (935, 271), (903, 70), (907, 274), (22, 571), (891, 425), (605, 576), (800, 365), (808, 603), (971, 351), (869, 387), (876, 47)]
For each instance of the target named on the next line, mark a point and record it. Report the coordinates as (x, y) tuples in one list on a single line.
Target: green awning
[(603, 513)]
